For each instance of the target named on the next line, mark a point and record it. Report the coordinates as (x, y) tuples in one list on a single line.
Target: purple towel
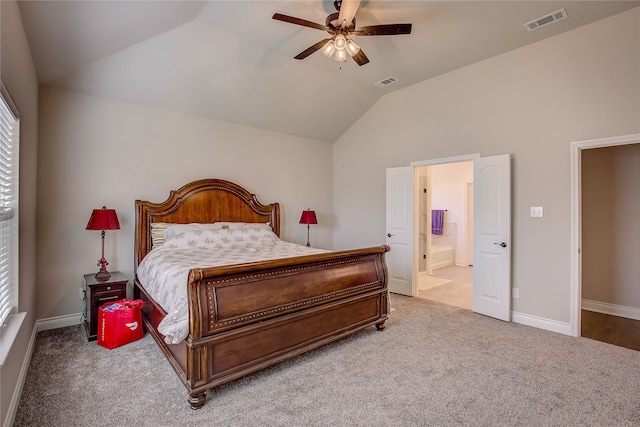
[(437, 221)]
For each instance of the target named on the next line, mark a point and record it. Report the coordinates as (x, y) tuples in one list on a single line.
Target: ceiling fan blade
[(348, 9), (299, 21), (360, 58), (312, 49), (383, 30)]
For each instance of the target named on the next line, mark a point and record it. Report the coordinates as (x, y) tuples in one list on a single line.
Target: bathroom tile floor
[(457, 292)]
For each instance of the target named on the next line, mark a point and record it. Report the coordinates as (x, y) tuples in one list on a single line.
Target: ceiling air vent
[(546, 20), (386, 82)]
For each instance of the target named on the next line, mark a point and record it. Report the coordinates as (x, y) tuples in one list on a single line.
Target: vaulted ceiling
[(230, 61)]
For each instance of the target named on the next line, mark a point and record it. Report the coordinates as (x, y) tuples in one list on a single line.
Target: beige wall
[(531, 102), (18, 74), (611, 225), (96, 152)]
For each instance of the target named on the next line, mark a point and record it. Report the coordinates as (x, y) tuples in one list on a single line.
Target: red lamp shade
[(103, 219), (308, 217)]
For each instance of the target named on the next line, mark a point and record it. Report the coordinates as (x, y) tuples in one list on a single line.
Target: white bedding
[(164, 271)]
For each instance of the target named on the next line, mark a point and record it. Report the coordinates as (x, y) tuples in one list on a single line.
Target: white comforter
[(164, 271)]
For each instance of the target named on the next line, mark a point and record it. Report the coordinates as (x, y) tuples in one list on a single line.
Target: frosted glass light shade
[(341, 42), (329, 48), (352, 47), (341, 55)]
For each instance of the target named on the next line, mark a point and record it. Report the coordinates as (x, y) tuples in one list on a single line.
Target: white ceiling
[(228, 60)]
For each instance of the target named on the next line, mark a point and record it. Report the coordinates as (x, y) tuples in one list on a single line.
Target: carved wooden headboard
[(203, 201)]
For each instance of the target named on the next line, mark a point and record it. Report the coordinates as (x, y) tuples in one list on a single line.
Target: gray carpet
[(434, 365)]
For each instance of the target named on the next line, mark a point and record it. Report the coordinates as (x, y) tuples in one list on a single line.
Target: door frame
[(576, 219)]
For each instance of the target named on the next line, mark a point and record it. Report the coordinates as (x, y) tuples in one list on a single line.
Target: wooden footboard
[(249, 316)]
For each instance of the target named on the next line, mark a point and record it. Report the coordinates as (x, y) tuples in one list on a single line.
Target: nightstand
[(98, 292)]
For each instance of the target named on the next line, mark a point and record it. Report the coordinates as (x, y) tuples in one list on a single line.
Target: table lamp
[(308, 217), (103, 219)]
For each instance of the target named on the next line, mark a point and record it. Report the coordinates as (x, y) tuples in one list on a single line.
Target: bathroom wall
[(449, 183), (449, 191)]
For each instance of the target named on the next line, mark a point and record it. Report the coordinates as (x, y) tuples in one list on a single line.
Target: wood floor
[(614, 330)]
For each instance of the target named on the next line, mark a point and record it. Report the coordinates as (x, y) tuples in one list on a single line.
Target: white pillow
[(176, 229), (250, 238), (247, 225)]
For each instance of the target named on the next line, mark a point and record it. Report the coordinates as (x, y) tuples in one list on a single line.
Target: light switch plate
[(536, 211)]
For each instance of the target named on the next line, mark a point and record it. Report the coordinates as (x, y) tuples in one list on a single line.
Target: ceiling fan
[(340, 25)]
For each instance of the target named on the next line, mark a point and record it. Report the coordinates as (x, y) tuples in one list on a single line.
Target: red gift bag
[(119, 323)]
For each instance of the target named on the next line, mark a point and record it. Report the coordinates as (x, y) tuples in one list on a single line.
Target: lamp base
[(103, 274)]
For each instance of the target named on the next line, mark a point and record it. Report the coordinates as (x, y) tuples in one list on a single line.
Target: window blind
[(9, 149)]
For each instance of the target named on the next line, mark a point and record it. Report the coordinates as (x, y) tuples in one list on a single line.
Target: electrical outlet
[(515, 292)]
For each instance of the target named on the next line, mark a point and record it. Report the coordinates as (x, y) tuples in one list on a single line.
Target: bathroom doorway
[(445, 253), (491, 231)]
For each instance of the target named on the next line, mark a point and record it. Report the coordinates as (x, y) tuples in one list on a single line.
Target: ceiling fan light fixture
[(329, 48), (352, 47), (340, 42)]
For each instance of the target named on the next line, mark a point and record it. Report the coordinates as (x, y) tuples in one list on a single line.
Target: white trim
[(576, 213), (59, 322), (12, 410), (541, 323), (8, 333), (455, 159), (612, 309)]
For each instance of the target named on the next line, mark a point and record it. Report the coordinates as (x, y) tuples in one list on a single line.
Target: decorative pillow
[(176, 229), (157, 233)]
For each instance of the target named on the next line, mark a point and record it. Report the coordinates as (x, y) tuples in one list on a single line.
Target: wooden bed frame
[(245, 317)]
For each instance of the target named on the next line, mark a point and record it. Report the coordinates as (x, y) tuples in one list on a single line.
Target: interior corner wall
[(97, 152), (19, 76), (532, 103), (610, 189)]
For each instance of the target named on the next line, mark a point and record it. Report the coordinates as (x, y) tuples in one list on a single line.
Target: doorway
[(444, 263), (604, 200)]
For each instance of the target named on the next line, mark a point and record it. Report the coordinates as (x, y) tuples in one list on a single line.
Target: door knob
[(389, 234), (503, 244)]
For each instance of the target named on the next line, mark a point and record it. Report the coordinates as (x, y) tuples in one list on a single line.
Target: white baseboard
[(59, 322), (17, 393), (612, 309), (541, 323)]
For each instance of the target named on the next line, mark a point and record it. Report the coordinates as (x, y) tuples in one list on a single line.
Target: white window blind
[(9, 149)]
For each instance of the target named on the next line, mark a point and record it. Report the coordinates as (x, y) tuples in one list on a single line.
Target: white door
[(492, 236), (400, 230)]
